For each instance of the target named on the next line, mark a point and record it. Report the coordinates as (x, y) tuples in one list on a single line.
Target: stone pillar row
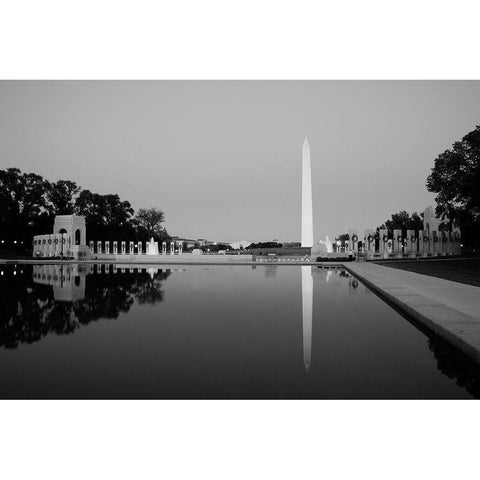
[(53, 245), (104, 247), (415, 243)]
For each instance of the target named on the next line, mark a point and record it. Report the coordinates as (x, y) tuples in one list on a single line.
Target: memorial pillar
[(411, 241), (124, 249), (448, 248), (115, 248), (353, 242), (164, 248), (172, 248), (369, 242), (444, 240), (459, 244), (398, 243), (180, 248), (425, 243), (107, 247), (140, 248), (57, 241), (383, 242), (91, 246), (435, 244)]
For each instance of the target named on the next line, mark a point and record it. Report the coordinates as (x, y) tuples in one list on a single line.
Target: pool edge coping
[(455, 333)]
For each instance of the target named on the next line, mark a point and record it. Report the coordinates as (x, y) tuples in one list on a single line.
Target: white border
[(248, 39), (240, 40)]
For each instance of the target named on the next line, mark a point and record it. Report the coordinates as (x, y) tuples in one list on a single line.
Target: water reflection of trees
[(456, 366), (30, 311)]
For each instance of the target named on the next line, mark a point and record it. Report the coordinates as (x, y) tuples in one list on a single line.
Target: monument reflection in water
[(307, 312), (266, 331)]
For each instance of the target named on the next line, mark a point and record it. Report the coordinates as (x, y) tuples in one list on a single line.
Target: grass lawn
[(463, 271)]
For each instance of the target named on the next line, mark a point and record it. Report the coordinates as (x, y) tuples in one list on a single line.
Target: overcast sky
[(223, 158)]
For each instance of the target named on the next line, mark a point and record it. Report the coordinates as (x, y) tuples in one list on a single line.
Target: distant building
[(239, 244), (190, 243), (203, 242)]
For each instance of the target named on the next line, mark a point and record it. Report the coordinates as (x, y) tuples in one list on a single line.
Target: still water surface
[(101, 331)]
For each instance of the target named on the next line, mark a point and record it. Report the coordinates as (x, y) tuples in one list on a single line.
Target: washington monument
[(307, 214)]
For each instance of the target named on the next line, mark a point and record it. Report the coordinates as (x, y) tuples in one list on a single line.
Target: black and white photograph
[(208, 251), (240, 240)]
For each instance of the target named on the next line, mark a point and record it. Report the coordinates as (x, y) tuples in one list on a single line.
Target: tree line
[(455, 178), (29, 204)]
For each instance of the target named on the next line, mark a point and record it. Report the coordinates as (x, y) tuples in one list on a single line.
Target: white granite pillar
[(398, 243), (411, 243)]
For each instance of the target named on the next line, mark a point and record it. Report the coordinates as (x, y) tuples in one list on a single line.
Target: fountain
[(328, 244), (152, 247)]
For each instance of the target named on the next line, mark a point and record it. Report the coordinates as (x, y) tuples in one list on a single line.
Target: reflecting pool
[(266, 331)]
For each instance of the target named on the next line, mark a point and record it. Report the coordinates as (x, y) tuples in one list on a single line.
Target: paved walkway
[(450, 309)]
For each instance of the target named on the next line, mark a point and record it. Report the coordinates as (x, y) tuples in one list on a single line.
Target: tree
[(264, 245), (61, 197), (343, 239), (455, 178), (403, 221), (107, 217), (23, 205), (149, 220)]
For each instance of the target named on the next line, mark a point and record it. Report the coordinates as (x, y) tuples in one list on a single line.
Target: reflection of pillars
[(307, 311), (152, 272)]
